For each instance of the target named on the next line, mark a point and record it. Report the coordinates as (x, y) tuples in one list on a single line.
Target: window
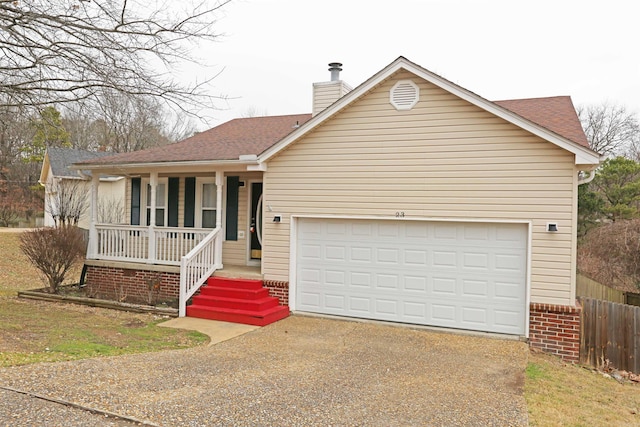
[(209, 208), (161, 202), (206, 203)]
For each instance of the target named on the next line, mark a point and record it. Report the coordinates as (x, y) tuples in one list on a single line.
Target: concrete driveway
[(302, 371)]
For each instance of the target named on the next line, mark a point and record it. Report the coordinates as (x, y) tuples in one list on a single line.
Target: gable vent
[(404, 95)]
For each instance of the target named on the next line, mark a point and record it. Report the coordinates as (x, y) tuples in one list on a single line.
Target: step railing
[(197, 266)]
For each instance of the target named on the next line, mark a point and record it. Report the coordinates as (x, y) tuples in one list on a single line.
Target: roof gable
[(562, 133), (59, 160)]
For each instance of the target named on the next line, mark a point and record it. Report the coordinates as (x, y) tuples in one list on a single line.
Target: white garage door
[(449, 274)]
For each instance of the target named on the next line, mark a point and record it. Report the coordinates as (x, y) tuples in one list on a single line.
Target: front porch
[(195, 222)]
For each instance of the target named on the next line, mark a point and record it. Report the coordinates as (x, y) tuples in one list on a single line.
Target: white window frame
[(200, 181), (145, 183)]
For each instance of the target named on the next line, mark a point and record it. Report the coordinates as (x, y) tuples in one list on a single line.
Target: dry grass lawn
[(559, 394), (36, 331)]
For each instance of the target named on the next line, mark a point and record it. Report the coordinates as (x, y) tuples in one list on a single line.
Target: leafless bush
[(610, 254), (53, 251)]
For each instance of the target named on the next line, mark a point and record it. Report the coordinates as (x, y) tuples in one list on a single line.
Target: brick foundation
[(555, 329), (279, 290), (134, 286)]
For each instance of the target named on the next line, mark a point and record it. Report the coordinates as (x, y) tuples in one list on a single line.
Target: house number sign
[(399, 214)]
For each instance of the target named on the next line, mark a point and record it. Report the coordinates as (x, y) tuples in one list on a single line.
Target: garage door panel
[(507, 292), (458, 275), (360, 305), (415, 285), (475, 288), (335, 301), (476, 316)]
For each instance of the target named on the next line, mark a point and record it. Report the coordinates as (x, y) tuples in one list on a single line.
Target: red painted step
[(237, 301), (262, 318), (215, 291)]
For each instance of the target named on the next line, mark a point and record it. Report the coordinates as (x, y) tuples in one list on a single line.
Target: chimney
[(335, 68), (326, 93)]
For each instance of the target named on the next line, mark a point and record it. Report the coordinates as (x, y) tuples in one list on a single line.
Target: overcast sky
[(273, 50)]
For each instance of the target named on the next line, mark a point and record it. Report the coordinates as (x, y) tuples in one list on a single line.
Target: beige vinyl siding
[(326, 93), (445, 158)]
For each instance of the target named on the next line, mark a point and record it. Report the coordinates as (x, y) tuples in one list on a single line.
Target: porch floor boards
[(238, 301), (239, 272)]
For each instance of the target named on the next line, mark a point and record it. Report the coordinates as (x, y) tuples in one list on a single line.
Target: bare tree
[(121, 124), (254, 111), (68, 201), (12, 203), (610, 129), (15, 134), (111, 211), (55, 52), (126, 124)]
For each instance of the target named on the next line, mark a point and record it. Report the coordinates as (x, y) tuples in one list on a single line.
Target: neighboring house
[(56, 173), (408, 199)]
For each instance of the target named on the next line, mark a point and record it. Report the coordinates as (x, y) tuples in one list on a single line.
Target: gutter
[(94, 166)]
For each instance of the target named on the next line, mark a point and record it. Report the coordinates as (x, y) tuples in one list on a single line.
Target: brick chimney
[(326, 93)]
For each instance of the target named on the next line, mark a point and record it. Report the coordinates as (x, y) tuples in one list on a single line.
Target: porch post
[(219, 187), (153, 183), (92, 248)]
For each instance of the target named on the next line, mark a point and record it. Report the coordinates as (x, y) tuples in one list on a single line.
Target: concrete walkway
[(217, 331), (301, 371)]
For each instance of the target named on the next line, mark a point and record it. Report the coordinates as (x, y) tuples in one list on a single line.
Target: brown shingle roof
[(227, 141), (556, 114)]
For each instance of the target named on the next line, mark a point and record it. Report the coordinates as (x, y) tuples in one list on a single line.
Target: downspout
[(592, 175)]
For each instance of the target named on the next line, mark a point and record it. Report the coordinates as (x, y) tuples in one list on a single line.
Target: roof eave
[(583, 155), (160, 165)]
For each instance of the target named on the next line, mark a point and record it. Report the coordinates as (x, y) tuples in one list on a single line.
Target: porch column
[(153, 183), (219, 187), (92, 248)]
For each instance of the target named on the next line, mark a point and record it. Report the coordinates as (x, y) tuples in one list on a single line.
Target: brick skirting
[(134, 286), (555, 329), (279, 290)]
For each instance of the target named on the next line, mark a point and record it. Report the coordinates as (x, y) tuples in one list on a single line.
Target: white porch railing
[(132, 243), (197, 266)]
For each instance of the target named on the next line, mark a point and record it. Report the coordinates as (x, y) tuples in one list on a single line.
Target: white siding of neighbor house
[(445, 158), (108, 192)]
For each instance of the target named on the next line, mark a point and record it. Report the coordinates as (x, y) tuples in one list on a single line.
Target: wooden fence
[(586, 287), (610, 332)]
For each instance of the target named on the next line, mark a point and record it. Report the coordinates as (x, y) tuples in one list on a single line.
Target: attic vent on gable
[(404, 95)]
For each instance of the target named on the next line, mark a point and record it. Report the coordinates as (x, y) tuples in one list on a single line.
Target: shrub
[(53, 251)]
